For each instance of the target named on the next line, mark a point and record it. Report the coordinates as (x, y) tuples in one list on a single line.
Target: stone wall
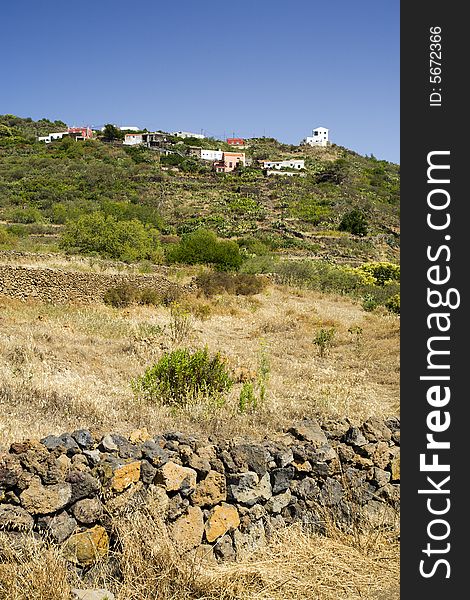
[(226, 497), (58, 286)]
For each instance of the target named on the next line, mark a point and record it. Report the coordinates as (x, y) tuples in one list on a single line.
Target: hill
[(44, 186)]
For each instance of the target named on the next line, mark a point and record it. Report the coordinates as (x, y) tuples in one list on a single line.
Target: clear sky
[(244, 67)]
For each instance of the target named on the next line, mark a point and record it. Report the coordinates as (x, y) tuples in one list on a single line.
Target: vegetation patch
[(97, 233), (182, 377), (203, 247)]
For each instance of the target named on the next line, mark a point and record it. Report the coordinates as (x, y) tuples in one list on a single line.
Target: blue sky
[(248, 67)]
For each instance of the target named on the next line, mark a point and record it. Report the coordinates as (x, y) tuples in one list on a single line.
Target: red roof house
[(236, 141)]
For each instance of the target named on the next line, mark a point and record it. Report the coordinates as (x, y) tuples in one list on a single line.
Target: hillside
[(43, 186), (225, 349)]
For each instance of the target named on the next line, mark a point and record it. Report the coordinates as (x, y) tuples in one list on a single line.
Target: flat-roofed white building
[(283, 164), (319, 137), (52, 136), (211, 154), (133, 139), (188, 134)]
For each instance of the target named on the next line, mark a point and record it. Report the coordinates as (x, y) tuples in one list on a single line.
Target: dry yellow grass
[(64, 367), (295, 565)]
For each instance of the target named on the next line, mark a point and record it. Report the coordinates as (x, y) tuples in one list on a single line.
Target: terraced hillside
[(43, 187)]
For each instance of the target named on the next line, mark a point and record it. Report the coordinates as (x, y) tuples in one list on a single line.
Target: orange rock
[(126, 475), (222, 518), (139, 435), (187, 530), (211, 490), (176, 478)]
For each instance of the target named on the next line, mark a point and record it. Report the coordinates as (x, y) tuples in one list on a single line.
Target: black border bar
[(435, 160)]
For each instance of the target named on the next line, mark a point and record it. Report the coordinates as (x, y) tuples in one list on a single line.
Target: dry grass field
[(66, 367)]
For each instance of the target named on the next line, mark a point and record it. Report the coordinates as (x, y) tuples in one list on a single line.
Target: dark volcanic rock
[(83, 485), (281, 479), (83, 438)]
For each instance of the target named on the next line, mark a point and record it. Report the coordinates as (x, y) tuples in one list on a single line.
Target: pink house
[(80, 133), (229, 162)]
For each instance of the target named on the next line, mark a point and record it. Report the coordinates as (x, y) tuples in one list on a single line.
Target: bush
[(355, 222), (26, 215), (319, 275), (247, 401), (7, 240), (259, 264), (182, 377), (126, 294), (393, 304), (120, 296), (253, 247), (380, 295), (382, 272), (181, 323), (212, 283), (150, 296), (203, 247), (323, 340), (128, 241)]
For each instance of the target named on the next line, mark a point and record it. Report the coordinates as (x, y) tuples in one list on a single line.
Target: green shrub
[(120, 296), (259, 264), (300, 273), (183, 377), (149, 296), (203, 247), (212, 283), (128, 241), (393, 304), (369, 302), (7, 240), (355, 222), (26, 215), (253, 247), (323, 340), (382, 272), (247, 401), (319, 275)]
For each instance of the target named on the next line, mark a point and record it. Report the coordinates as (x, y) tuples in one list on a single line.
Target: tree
[(122, 240), (111, 133), (203, 247), (355, 222)]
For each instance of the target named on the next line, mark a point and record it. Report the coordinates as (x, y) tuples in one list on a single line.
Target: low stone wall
[(60, 286), (227, 497)]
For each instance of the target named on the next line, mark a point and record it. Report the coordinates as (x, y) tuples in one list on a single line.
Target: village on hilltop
[(223, 161)]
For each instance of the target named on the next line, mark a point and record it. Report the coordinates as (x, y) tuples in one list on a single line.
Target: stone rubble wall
[(224, 497), (61, 286)]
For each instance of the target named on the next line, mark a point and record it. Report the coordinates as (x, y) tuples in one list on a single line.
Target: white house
[(133, 139), (319, 137), (211, 154), (52, 136), (284, 164), (188, 134), (126, 128)]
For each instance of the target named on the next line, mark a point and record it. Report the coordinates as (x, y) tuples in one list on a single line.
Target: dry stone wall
[(61, 286), (227, 497)]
